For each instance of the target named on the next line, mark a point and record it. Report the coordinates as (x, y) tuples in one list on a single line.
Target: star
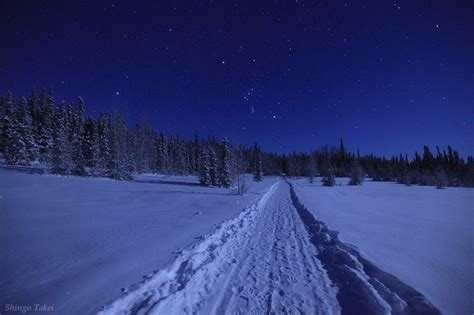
[(117, 93)]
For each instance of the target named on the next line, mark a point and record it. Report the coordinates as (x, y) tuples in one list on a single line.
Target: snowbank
[(75, 242), (421, 235)]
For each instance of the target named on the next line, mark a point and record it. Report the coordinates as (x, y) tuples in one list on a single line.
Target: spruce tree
[(204, 169), (11, 138), (213, 167), (35, 117), (357, 175), (179, 157), (27, 147), (102, 147), (119, 165), (258, 173), (138, 153), (224, 166), (76, 138), (311, 168), (89, 138), (45, 125), (162, 158), (329, 179), (149, 151), (3, 141), (77, 159), (239, 170), (196, 152), (60, 158), (441, 180)]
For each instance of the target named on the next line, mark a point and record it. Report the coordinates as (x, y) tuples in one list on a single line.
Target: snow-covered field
[(259, 262), (273, 258), (176, 247), (75, 242), (422, 235)]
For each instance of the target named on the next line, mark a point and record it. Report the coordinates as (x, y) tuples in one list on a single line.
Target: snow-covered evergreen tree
[(10, 136), (60, 157), (27, 147), (225, 179), (180, 166), (136, 141), (239, 167), (204, 169), (213, 167), (357, 174), (195, 152), (3, 121), (89, 138), (162, 158), (258, 172), (441, 179), (35, 117), (119, 166), (329, 178), (292, 165), (311, 168), (149, 151), (78, 164), (45, 133), (102, 147), (77, 131)]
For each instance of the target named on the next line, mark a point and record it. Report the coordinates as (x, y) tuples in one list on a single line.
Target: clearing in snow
[(273, 257), (420, 234), (75, 242)]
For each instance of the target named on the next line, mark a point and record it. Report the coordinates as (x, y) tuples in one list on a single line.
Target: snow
[(75, 242), (165, 245), (272, 258), (259, 262), (421, 235)]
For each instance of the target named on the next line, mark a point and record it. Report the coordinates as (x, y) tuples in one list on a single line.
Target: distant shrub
[(357, 174), (329, 179)]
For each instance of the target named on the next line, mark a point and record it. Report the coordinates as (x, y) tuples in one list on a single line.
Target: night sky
[(385, 76)]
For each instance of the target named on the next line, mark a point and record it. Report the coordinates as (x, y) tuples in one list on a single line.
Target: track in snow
[(266, 260), (260, 261)]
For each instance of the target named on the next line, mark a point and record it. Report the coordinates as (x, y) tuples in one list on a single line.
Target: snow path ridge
[(261, 261), (363, 288), (274, 257)]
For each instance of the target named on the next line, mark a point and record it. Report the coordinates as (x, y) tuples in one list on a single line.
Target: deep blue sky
[(386, 76)]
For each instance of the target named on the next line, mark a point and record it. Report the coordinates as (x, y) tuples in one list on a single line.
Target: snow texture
[(259, 262), (75, 242), (273, 258), (421, 235), (81, 243)]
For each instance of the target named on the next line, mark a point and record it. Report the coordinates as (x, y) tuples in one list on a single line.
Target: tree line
[(63, 139), (442, 168)]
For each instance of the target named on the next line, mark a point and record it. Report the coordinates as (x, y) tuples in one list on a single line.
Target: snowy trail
[(258, 262), (273, 258), (279, 271)]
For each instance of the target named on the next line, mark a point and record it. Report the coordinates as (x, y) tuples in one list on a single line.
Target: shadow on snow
[(363, 288)]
